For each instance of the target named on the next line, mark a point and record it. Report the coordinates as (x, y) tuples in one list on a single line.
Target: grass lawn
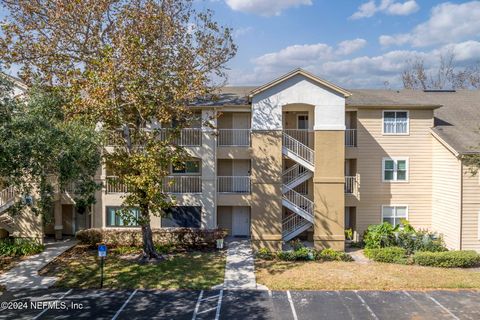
[(281, 275), (79, 268)]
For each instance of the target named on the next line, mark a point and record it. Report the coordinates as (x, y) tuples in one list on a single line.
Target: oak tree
[(125, 64)]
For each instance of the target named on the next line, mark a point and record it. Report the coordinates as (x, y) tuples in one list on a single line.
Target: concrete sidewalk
[(240, 267), (25, 274)]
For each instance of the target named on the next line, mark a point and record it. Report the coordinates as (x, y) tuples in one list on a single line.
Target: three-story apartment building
[(300, 156)]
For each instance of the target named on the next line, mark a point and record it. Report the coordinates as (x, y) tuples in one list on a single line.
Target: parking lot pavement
[(239, 304)]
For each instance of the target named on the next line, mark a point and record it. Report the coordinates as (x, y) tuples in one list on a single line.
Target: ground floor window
[(394, 214), (182, 216), (115, 219)]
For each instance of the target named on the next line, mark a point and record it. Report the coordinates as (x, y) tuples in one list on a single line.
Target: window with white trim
[(395, 169), (394, 214), (188, 167), (395, 122), (117, 218)]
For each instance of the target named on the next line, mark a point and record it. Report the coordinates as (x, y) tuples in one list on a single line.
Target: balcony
[(234, 184), (188, 137), (305, 136), (351, 185), (234, 137), (182, 184), (171, 184), (351, 137)]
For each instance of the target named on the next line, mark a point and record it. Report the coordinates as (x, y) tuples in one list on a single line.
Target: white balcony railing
[(232, 184), (7, 195), (182, 184), (351, 137), (234, 137), (188, 137), (305, 136), (351, 185), (113, 185)]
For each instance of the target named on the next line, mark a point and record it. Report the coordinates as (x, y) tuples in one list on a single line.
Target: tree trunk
[(149, 251)]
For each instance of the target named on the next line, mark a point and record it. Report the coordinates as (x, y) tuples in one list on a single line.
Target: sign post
[(102, 253)]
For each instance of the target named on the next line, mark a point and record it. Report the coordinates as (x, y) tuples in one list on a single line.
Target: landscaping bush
[(379, 236), (405, 236), (130, 237), (287, 255), (388, 255), (332, 255), (266, 254), (448, 259), (20, 247)]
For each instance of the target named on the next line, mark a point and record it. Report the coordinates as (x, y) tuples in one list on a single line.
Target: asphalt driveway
[(238, 304)]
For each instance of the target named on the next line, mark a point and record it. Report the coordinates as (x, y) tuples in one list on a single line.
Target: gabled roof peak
[(306, 74)]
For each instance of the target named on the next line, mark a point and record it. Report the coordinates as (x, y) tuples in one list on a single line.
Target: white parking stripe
[(219, 305), (124, 305), (197, 306), (366, 306), (290, 300), (45, 310), (442, 306)]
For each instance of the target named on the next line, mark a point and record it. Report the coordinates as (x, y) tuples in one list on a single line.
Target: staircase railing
[(292, 223), (299, 201), (298, 148), (7, 195), (293, 173)]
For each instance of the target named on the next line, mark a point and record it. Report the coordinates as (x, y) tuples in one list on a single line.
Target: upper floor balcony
[(186, 137), (171, 184), (234, 137), (234, 184)]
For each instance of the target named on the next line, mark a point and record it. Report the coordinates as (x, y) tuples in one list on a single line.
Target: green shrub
[(132, 237), (349, 234), (20, 247), (287, 255), (388, 255), (304, 254), (379, 236), (296, 244), (266, 254), (332, 255), (448, 259)]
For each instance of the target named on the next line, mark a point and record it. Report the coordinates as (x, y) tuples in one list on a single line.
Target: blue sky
[(355, 43)]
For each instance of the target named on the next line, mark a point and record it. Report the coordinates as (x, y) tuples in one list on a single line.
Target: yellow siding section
[(471, 211), (446, 195), (373, 146)]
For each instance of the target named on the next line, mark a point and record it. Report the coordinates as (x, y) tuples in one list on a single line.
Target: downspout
[(461, 203)]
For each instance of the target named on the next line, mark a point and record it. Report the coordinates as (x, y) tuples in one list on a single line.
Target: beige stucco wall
[(266, 203), (329, 196), (373, 146), (470, 210)]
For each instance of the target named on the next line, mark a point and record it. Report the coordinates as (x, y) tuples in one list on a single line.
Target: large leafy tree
[(42, 153), (125, 64)]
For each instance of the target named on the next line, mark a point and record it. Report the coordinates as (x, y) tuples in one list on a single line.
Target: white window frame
[(199, 173), (298, 120), (395, 160), (395, 133), (395, 206), (478, 225)]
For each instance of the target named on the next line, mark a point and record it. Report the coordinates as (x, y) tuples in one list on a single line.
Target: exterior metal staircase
[(7, 199), (302, 208)]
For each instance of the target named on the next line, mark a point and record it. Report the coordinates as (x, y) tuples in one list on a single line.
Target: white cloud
[(390, 7), (265, 7), (357, 72), (448, 22), (350, 46), (242, 31)]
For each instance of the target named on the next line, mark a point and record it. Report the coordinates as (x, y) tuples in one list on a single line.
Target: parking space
[(241, 304)]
